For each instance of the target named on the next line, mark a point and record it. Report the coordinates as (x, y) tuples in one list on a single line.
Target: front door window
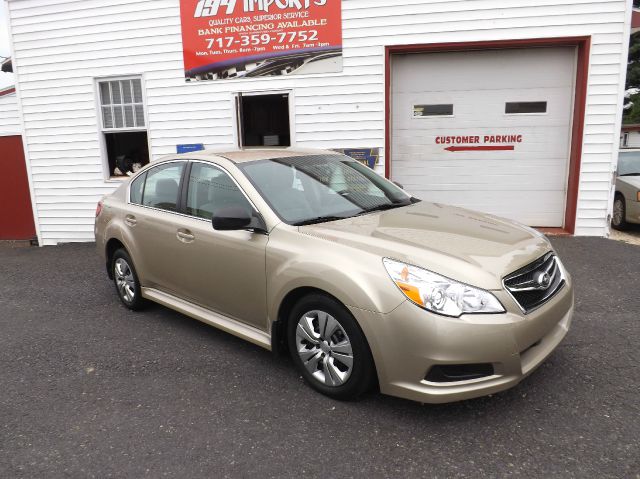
[(209, 189)]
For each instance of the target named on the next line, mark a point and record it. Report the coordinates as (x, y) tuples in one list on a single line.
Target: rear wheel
[(618, 220), (126, 280), (329, 349)]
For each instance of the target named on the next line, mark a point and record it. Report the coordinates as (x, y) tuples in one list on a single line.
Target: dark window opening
[(127, 152), (516, 107), (265, 120), (433, 110)]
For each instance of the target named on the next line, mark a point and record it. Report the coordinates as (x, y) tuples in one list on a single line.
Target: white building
[(9, 116), (508, 107), (630, 136)]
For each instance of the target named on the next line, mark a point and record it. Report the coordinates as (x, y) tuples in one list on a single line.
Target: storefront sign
[(366, 156), (224, 39), (189, 147), (479, 142)]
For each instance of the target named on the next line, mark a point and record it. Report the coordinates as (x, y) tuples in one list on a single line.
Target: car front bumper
[(633, 211), (407, 342)]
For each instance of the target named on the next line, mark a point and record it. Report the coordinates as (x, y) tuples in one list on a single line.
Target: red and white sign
[(253, 38), (479, 142)]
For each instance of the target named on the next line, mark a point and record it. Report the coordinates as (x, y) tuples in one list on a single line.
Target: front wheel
[(126, 280), (329, 349), (618, 220)]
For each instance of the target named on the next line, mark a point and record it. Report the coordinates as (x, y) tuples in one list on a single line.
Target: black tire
[(123, 270), (361, 375), (618, 219)]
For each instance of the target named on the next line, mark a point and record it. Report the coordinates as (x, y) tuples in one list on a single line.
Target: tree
[(631, 112)]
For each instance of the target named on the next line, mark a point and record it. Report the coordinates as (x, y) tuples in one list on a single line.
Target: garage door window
[(520, 107), (432, 110), (123, 125)]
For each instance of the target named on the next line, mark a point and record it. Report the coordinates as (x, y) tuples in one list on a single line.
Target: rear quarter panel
[(110, 225)]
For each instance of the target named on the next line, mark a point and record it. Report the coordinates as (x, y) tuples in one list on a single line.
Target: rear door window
[(162, 185), (136, 189)]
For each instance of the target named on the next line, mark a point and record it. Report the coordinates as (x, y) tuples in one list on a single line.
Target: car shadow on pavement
[(630, 235), (279, 368)]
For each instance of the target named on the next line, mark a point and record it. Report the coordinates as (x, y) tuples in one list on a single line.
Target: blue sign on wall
[(189, 147), (366, 156)]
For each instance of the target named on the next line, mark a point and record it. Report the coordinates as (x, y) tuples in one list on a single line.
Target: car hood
[(464, 245), (630, 180)]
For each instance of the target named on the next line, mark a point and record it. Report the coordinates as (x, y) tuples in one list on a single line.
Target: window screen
[(433, 110), (516, 107), (121, 104)]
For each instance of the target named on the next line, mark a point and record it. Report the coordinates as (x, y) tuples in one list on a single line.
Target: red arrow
[(480, 148)]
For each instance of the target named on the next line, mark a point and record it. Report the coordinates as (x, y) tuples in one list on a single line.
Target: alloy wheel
[(324, 348), (124, 280), (618, 212)]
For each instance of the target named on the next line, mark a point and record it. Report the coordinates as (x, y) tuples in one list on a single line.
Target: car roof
[(243, 156)]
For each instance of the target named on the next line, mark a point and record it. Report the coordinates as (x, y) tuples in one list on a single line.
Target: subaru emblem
[(543, 279)]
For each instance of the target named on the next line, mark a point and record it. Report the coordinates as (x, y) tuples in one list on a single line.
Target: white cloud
[(4, 31), (6, 79)]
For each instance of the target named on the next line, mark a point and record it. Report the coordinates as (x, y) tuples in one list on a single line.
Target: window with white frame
[(123, 124), (625, 139)]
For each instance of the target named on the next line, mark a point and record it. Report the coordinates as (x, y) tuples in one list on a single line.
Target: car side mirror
[(233, 217), (398, 185)]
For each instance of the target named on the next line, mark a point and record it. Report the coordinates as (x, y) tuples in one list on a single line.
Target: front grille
[(536, 283)]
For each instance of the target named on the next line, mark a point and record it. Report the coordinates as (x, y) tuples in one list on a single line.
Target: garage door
[(485, 130), (16, 215)]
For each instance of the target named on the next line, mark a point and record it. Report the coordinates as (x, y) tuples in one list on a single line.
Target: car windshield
[(317, 188), (629, 164)]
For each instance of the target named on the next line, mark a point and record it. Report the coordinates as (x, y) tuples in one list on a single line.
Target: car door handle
[(185, 236), (130, 220)]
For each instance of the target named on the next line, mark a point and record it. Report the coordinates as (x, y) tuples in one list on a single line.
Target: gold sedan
[(314, 254)]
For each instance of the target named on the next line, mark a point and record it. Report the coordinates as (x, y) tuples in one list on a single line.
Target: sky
[(6, 79)]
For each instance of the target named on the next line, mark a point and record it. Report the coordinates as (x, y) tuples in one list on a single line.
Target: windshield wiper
[(630, 174), (385, 206), (319, 219)]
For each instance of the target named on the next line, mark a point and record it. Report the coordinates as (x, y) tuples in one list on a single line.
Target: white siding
[(60, 46), (9, 118)]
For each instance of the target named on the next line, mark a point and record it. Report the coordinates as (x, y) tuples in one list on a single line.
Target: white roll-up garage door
[(486, 130)]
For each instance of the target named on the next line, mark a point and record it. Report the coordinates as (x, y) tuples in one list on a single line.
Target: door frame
[(236, 100), (583, 46)]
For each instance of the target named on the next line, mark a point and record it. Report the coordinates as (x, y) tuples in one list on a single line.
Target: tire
[(618, 218), (340, 365), (126, 281)]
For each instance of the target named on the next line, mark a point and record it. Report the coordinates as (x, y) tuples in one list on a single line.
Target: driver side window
[(209, 189)]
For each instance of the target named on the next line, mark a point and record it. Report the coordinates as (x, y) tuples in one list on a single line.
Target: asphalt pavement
[(89, 389)]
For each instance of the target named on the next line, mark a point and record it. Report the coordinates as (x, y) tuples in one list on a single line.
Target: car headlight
[(439, 294)]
